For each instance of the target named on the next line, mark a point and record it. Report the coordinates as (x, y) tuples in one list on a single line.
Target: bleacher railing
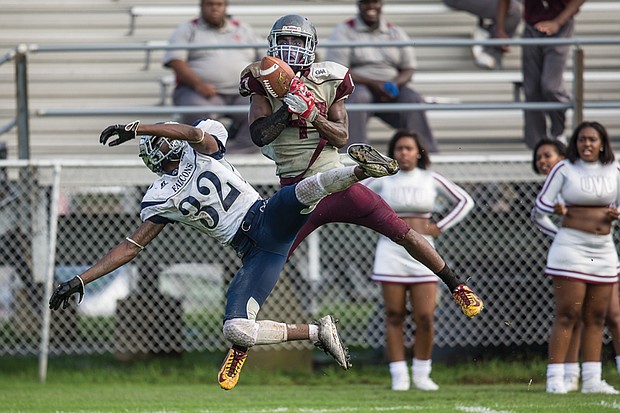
[(23, 112)]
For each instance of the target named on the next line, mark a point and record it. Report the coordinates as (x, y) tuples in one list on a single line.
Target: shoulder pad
[(324, 71), (252, 69), (249, 82)]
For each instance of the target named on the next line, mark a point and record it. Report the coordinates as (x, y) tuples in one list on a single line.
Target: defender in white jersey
[(412, 193), (199, 188), (582, 259)]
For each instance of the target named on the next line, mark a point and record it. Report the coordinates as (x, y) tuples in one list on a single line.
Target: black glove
[(125, 133), (64, 291)]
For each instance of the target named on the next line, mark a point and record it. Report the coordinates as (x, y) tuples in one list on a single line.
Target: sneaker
[(562, 139), (482, 59), (571, 383), (330, 342), (470, 303), (425, 383), (597, 386), (231, 367), (372, 162), (400, 383), (556, 387)]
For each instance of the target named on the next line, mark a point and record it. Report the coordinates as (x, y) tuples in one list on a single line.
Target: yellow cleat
[(231, 368), (470, 303)]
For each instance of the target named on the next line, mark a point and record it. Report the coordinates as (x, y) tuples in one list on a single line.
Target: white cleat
[(330, 341), (372, 161)]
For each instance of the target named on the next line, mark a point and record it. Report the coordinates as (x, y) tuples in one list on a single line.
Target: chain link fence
[(171, 297)]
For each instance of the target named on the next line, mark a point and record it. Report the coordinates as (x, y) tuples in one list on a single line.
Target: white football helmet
[(156, 151), (297, 56)]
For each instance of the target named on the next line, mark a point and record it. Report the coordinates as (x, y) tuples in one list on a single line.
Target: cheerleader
[(412, 193), (582, 260)]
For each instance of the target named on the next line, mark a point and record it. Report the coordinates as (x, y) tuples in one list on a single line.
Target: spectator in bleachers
[(543, 65), (413, 193), (381, 74), (489, 57), (210, 77), (582, 260)]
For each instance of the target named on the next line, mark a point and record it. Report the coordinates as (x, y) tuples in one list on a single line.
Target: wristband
[(83, 290), (448, 277), (195, 143), (135, 243)]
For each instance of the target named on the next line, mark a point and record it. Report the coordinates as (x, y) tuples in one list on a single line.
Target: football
[(275, 76)]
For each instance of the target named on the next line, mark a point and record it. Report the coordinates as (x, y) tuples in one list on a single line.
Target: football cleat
[(330, 342), (470, 303), (371, 161), (228, 375)]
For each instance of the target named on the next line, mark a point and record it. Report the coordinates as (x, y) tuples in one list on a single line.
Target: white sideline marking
[(480, 409), (336, 410), (612, 405)]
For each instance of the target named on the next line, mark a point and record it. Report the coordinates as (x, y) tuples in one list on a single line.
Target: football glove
[(297, 85), (302, 105), (124, 132), (65, 290)]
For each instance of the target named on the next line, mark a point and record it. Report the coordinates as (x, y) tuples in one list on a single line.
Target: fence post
[(578, 98), (49, 281), (21, 84)]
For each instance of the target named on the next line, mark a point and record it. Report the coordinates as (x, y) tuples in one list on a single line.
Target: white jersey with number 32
[(205, 193)]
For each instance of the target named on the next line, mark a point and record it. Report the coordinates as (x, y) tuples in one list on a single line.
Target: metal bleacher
[(118, 78)]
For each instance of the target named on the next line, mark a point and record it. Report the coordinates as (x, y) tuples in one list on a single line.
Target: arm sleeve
[(543, 222), (463, 202), (546, 199)]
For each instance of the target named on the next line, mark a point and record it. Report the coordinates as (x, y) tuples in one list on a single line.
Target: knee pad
[(310, 190), (241, 331)]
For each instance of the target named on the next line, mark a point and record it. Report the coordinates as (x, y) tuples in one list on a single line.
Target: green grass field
[(187, 384)]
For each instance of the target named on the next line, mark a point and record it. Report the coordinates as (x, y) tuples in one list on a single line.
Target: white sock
[(591, 370), (313, 330), (270, 332), (555, 371), (398, 369), (618, 364), (421, 368), (311, 190), (571, 370)]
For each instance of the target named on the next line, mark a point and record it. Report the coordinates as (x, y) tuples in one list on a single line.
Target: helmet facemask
[(298, 56), (157, 151)]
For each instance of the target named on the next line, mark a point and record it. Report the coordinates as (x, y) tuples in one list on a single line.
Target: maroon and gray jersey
[(329, 82)]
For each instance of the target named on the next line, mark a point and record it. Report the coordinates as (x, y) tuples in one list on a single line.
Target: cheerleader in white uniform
[(412, 193), (582, 259)]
